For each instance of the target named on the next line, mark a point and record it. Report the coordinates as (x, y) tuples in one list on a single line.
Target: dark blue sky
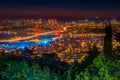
[(79, 8)]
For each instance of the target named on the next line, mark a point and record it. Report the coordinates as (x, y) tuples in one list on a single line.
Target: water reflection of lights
[(45, 41)]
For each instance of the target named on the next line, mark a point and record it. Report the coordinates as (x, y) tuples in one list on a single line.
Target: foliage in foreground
[(21, 71), (100, 69)]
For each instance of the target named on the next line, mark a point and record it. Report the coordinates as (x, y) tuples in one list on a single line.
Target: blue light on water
[(45, 40)]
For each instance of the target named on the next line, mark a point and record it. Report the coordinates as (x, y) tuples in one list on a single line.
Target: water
[(44, 41)]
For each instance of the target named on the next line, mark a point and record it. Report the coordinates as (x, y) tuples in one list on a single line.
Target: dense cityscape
[(59, 40), (69, 40)]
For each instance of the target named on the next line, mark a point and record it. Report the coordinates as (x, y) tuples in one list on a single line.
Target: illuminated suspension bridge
[(37, 34)]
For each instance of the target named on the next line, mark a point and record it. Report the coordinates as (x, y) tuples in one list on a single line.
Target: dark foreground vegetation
[(47, 68)]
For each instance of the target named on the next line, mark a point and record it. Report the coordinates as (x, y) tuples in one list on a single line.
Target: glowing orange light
[(58, 31), (36, 30)]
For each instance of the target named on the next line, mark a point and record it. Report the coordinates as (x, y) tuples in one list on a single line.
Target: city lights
[(59, 39)]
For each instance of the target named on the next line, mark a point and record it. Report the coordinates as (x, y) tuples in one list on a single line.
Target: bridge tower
[(36, 29), (58, 31)]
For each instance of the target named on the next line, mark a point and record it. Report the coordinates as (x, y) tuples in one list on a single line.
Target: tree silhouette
[(53, 62), (108, 41)]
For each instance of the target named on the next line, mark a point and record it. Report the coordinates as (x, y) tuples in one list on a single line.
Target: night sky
[(64, 8)]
